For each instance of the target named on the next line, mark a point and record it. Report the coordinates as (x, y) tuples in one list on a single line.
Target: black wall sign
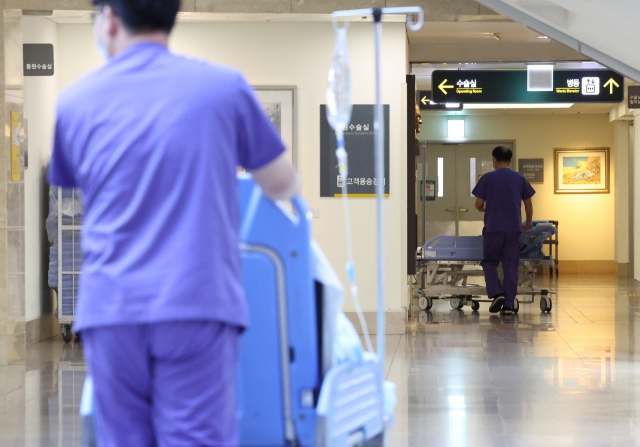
[(510, 86), (634, 97), (37, 59), (424, 100), (532, 169), (358, 140)]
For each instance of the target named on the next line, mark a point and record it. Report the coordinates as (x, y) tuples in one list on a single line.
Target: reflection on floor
[(565, 379), (464, 379), (42, 410)]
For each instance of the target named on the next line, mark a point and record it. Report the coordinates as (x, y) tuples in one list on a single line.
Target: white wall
[(39, 106), (636, 196), (587, 221), (299, 54), (621, 156)]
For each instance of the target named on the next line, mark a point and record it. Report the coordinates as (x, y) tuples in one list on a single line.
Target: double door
[(447, 174)]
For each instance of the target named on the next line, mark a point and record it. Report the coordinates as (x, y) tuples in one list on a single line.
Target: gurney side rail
[(272, 255)]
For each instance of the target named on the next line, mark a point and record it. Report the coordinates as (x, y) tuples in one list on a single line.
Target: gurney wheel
[(545, 304), (475, 306), (456, 303), (67, 335), (516, 306), (425, 303)]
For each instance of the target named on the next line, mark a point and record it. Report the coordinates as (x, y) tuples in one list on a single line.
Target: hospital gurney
[(291, 389), (446, 266)]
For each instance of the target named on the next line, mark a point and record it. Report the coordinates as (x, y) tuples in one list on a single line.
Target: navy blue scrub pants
[(164, 385), (505, 248)]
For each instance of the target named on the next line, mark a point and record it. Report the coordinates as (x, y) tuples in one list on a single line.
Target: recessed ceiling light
[(542, 37)]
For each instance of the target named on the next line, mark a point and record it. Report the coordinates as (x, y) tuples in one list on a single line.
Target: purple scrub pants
[(165, 384), (505, 248)]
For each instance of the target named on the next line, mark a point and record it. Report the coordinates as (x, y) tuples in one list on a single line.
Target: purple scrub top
[(153, 140)]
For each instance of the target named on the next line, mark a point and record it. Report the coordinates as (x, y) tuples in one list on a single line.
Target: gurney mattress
[(469, 248)]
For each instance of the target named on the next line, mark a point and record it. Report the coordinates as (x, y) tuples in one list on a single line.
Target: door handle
[(452, 210), (463, 210)]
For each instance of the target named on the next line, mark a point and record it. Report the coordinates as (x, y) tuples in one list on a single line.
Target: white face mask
[(102, 50), (96, 34)]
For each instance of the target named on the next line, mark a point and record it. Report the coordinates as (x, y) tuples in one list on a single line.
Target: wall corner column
[(636, 195), (12, 244)]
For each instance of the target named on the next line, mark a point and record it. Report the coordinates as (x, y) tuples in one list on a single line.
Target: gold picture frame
[(581, 170)]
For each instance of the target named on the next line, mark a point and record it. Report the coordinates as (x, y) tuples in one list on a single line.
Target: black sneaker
[(496, 305), (506, 311)]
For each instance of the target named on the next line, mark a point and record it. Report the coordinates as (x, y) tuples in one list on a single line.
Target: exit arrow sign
[(425, 103)]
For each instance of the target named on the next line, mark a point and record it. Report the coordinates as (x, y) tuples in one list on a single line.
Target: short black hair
[(502, 153), (140, 16)]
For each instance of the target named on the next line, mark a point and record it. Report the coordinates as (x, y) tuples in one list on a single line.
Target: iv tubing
[(350, 267)]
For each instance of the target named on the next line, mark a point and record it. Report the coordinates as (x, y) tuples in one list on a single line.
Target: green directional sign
[(510, 86)]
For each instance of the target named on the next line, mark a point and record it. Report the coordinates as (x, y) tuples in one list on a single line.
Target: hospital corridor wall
[(39, 111), (587, 221), (298, 54)]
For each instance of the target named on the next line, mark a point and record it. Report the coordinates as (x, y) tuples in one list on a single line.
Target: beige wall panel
[(257, 6), (327, 7), (79, 5), (441, 10), (188, 6)]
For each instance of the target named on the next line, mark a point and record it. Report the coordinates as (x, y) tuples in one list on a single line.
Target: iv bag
[(339, 86)]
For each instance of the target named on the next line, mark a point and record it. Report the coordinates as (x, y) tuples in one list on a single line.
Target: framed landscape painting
[(581, 171)]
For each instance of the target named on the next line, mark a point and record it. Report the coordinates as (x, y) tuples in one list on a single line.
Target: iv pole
[(378, 127)]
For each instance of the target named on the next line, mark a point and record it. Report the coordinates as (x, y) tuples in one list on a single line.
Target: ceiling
[(475, 33), (605, 30), (476, 39)]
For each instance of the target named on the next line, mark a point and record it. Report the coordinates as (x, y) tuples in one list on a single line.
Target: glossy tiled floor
[(571, 378), (464, 379)]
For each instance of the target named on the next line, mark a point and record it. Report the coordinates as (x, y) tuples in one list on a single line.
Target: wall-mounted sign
[(634, 97), (424, 100), (358, 139), (510, 86), (37, 59), (429, 191), (532, 169)]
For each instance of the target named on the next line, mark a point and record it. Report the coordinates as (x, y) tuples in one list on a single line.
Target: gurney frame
[(448, 280)]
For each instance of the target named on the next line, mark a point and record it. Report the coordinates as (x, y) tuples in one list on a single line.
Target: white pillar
[(621, 169), (636, 198)]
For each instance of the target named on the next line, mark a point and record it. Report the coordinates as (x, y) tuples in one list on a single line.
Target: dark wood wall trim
[(412, 223)]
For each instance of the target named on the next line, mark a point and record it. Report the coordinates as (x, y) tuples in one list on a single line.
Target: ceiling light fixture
[(455, 129), (520, 106), (542, 37)]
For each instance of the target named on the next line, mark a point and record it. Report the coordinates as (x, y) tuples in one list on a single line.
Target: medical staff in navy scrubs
[(500, 194), (153, 139)]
